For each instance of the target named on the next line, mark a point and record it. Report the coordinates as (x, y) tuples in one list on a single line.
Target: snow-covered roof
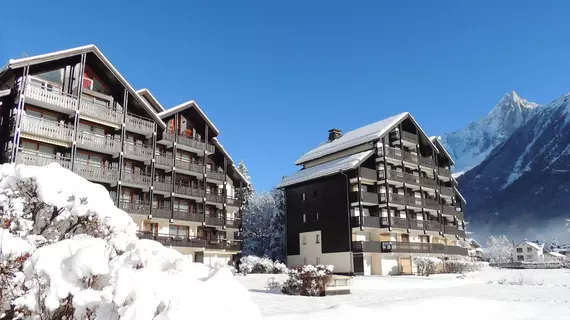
[(5, 92), (459, 194), (184, 106), (27, 61), (556, 254), (474, 242), (146, 93), (326, 169), (532, 244), (359, 136), (437, 140)]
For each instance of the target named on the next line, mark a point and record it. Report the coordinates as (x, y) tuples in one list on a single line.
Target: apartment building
[(371, 199), (166, 168)]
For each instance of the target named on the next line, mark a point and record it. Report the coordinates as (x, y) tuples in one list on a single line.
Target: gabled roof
[(359, 136), (532, 244), (557, 254), (440, 146), (184, 106), (42, 58), (326, 169), (459, 194), (145, 93), (219, 145)]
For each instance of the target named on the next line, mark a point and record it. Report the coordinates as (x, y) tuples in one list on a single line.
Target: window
[(318, 260), (528, 249), (316, 217), (520, 258), (305, 260), (315, 194), (179, 231), (318, 238), (303, 197), (304, 217), (304, 239), (519, 250)]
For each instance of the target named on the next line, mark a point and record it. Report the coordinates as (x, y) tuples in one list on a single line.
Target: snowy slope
[(472, 144)]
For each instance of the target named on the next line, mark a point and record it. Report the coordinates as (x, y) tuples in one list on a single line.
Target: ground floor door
[(367, 265), (199, 257), (406, 265)]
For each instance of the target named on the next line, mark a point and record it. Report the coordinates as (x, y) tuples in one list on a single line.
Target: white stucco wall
[(310, 252)]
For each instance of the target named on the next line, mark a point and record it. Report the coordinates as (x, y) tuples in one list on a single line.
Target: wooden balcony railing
[(366, 246), (234, 202), (393, 198), (190, 166), (215, 174), (163, 160), (412, 247), (165, 186), (427, 182), (139, 124), (409, 137), (444, 172), (412, 179), (194, 143), (188, 191), (427, 162), (446, 191), (456, 250), (365, 197), (432, 225), (393, 153), (450, 229), (401, 223), (142, 208), (106, 144), (233, 223), (50, 94), (46, 128), (161, 212), (391, 175), (410, 157), (212, 197), (138, 150), (94, 172), (217, 220), (196, 216), (431, 204), (100, 111), (445, 209), (367, 222), (136, 178), (35, 158), (417, 224)]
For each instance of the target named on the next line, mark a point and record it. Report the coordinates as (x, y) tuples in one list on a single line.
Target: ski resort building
[(166, 168), (370, 200)]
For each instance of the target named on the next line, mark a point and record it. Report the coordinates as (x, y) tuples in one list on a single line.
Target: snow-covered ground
[(477, 296)]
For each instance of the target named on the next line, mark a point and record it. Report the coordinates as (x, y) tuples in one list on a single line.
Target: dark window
[(528, 249), (315, 194), (519, 250), (318, 239), (520, 258), (316, 217), (303, 197)]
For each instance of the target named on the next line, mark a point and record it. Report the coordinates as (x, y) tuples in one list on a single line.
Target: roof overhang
[(146, 94), (384, 128), (184, 106), (459, 194), (43, 58), (438, 143), (326, 169), (4, 93)]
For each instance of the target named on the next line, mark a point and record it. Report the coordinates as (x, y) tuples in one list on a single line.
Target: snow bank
[(67, 251)]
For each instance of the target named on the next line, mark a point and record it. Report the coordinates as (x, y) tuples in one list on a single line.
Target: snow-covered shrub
[(499, 249), (253, 264), (427, 265), (521, 280), (308, 280), (68, 252), (461, 266)]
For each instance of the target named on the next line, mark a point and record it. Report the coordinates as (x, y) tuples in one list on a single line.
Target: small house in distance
[(527, 251)]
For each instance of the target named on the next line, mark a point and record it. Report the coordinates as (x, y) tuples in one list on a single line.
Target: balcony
[(195, 216), (367, 198), (412, 247), (213, 197), (431, 204), (411, 179), (427, 162), (35, 158), (410, 157), (409, 137), (368, 174), (444, 172), (223, 244), (163, 161), (188, 191), (142, 208), (432, 225), (190, 166), (400, 223), (99, 111), (47, 129), (216, 220), (446, 191), (366, 246), (393, 199), (162, 212), (173, 240), (449, 210), (50, 96), (391, 175), (215, 175), (96, 172), (367, 222), (233, 202), (461, 233), (162, 187), (456, 250), (137, 151), (417, 224), (413, 201), (459, 215), (191, 143), (392, 153), (139, 125), (238, 235), (429, 183), (135, 179), (448, 229), (233, 223), (99, 143)]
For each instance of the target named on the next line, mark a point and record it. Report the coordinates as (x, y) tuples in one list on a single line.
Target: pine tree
[(256, 224), (246, 192), (277, 243)]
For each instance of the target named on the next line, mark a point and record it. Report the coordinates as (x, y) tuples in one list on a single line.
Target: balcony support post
[(360, 218), (205, 171), (225, 191), (152, 168), (174, 153), (76, 113), (19, 112), (403, 174), (386, 185), (438, 195), (123, 139)]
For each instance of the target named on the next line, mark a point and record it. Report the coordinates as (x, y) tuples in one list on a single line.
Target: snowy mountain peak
[(472, 144)]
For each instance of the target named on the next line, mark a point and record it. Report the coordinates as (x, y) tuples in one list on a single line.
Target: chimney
[(334, 134)]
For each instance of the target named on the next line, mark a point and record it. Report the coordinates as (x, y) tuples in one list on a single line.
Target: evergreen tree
[(246, 192), (256, 224), (277, 243)]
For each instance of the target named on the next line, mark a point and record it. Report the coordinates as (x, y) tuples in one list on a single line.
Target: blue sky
[(276, 75)]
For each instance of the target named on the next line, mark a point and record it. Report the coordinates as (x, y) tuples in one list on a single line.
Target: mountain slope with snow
[(523, 185), (472, 144)]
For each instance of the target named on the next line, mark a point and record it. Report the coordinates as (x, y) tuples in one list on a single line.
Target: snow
[(78, 252), (475, 296), (357, 137), (532, 244), (326, 169)]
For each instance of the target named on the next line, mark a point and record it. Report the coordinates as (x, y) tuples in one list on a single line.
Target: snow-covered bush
[(68, 252), (461, 266), (253, 264), (499, 249), (427, 265), (521, 280), (308, 280)]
